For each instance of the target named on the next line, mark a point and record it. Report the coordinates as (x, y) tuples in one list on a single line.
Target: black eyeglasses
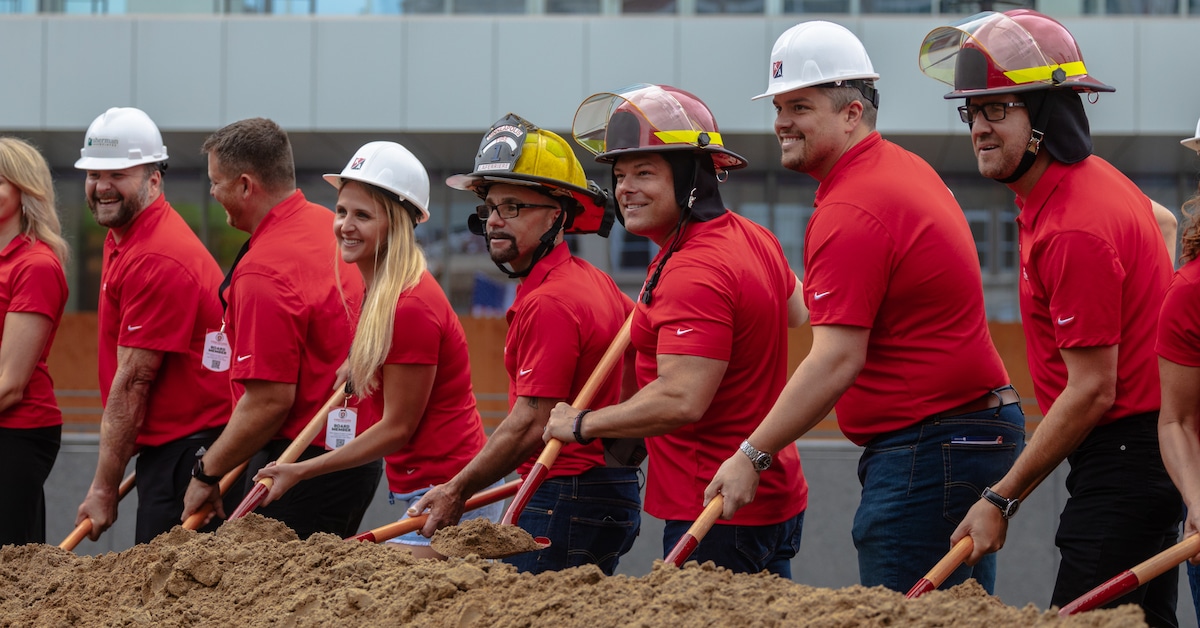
[(506, 210), (992, 112)]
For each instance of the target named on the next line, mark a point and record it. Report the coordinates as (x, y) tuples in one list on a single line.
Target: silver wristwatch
[(760, 459), (1008, 507)]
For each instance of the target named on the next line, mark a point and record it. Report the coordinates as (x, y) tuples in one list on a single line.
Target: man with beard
[(564, 315), (1093, 275), (164, 397), (900, 345)]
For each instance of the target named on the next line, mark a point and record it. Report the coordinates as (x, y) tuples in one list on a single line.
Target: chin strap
[(545, 245), (647, 295), (1034, 145)]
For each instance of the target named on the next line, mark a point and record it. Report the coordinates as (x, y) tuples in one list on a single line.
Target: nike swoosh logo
[(680, 332), (243, 358), (821, 295), (133, 327), (524, 372), (1064, 321), (410, 471)]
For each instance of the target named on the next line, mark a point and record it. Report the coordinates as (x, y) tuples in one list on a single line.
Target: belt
[(993, 399)]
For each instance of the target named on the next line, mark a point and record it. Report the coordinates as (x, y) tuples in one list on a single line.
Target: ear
[(247, 183), (853, 114)]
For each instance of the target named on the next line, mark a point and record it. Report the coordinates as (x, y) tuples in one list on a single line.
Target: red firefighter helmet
[(650, 118), (1000, 53)]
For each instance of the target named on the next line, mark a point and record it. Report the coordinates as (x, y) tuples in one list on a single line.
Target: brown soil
[(254, 572), (483, 538)]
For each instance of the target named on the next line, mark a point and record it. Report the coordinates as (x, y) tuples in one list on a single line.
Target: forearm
[(1181, 455), (376, 442), (514, 441), (123, 417), (808, 397), (251, 427), (654, 410)]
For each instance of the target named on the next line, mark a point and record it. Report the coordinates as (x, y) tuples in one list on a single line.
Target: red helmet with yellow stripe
[(650, 118), (1001, 53)]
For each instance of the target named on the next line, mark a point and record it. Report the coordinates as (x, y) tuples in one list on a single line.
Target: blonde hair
[(26, 169), (399, 264), (1190, 229)]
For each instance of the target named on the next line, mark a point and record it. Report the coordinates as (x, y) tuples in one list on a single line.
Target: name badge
[(216, 352), (339, 429)]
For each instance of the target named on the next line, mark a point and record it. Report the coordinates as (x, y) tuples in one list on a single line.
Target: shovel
[(85, 526), (944, 567), (690, 539), (257, 494), (197, 519), (412, 524), (1135, 577), (537, 475)]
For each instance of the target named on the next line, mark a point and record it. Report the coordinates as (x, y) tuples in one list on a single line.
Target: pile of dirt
[(484, 538), (254, 572)]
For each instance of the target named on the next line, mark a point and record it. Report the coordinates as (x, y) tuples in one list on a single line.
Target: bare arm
[(25, 337), (1179, 435), (517, 438), (1091, 390), (123, 417), (837, 356), (1168, 224), (797, 313), (405, 389), (679, 395)]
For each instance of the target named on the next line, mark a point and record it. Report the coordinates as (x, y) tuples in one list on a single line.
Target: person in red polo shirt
[(709, 326), (158, 302), (564, 316), (33, 292), (291, 307), (1093, 274), (901, 345)]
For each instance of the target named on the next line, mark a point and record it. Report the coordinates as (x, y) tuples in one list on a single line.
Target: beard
[(505, 255), (125, 212)]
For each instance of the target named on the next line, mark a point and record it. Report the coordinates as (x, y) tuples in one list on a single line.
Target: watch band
[(1008, 507), (760, 459), (577, 431), (198, 469)]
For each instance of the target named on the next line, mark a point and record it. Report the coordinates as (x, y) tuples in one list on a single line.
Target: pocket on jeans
[(969, 466), (600, 541)]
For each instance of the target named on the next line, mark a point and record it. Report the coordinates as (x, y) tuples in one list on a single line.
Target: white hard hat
[(815, 53), (1193, 143), (120, 138), (392, 167)]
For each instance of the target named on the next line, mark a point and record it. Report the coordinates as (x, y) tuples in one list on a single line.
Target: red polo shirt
[(903, 265), (158, 291), (32, 281), (1179, 322), (722, 295), (1093, 274), (564, 316), (287, 320)]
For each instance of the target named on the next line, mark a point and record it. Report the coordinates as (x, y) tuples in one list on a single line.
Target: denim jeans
[(492, 512), (743, 549), (590, 518), (917, 485)]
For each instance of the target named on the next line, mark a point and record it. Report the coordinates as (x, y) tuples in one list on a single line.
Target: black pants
[(26, 458), (163, 475), (333, 503), (1122, 510)]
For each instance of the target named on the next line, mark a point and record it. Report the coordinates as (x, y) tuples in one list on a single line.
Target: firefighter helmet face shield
[(1015, 51)]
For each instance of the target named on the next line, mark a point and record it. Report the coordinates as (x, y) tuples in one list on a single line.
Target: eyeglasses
[(506, 210), (992, 112)]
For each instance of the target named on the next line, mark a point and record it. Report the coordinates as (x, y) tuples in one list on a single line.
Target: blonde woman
[(409, 357), (33, 292)]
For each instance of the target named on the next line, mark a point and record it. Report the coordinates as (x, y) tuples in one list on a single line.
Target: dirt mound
[(483, 538), (254, 572)]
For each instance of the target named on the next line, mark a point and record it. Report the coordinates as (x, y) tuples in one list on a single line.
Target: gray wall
[(827, 558)]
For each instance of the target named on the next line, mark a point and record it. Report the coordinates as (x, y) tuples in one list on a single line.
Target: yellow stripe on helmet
[(687, 137), (1043, 74)]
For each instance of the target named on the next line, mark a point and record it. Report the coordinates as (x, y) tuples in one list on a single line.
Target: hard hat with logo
[(392, 167), (650, 118), (517, 152), (819, 53), (120, 138), (1193, 143), (999, 53)]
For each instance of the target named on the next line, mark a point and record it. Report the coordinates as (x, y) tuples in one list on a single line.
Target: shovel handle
[(195, 521), (412, 524), (691, 539), (944, 567), (81, 531), (616, 351), (1131, 579), (305, 438)]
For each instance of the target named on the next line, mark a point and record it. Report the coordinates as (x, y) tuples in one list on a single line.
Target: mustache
[(500, 235)]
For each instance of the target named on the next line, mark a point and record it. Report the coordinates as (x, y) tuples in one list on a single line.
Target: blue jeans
[(743, 549), (918, 484), (591, 519)]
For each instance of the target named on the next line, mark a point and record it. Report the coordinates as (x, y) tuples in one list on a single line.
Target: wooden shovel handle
[(81, 531), (404, 526), (197, 519), (1135, 577), (691, 539), (944, 567)]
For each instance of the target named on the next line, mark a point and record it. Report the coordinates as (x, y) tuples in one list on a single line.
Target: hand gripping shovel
[(1135, 577), (257, 494), (197, 519), (537, 475), (944, 567), (690, 539), (85, 526), (393, 530)]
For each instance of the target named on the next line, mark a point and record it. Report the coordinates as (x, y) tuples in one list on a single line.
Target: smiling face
[(116, 197), (360, 225), (812, 134), (10, 203), (646, 195), (514, 240), (999, 146)]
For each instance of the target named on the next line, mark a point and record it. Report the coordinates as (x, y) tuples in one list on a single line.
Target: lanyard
[(229, 275)]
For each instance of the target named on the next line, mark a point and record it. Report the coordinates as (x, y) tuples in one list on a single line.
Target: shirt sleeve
[(39, 287), (548, 346), (848, 261), (269, 329), (692, 310), (160, 300), (417, 333), (1179, 324), (1082, 276)]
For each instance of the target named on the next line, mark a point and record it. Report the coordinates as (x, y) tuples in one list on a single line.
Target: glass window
[(573, 6), (729, 6), (648, 6), (817, 6), (1142, 7), (897, 6)]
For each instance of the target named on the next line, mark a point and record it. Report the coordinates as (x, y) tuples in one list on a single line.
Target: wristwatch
[(760, 459), (198, 469), (1008, 507)]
